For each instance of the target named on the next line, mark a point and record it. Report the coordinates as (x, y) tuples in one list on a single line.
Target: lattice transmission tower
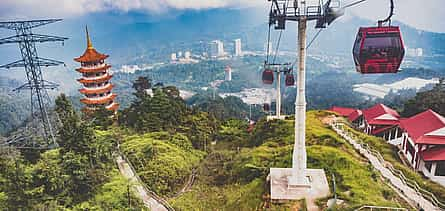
[(38, 86)]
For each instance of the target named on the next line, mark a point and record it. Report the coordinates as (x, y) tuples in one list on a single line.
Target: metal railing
[(409, 182)]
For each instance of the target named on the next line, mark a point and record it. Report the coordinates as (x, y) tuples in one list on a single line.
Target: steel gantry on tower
[(40, 100)]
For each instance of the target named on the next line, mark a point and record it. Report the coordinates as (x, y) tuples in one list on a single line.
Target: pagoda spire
[(89, 44)]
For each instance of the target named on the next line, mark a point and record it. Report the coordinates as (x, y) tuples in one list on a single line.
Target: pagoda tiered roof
[(101, 100), (101, 90), (102, 79), (93, 70), (90, 54), (113, 107)]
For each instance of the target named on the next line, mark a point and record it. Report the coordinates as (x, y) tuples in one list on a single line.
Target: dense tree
[(102, 118), (433, 99), (141, 84)]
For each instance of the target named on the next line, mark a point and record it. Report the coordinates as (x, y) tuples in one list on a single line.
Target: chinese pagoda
[(96, 80)]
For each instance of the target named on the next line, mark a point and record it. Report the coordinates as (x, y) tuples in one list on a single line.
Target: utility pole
[(294, 183), (40, 100)]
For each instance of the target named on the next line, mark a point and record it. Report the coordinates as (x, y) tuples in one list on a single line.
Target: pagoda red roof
[(381, 115), (90, 54), (104, 89), (420, 126), (114, 107), (435, 154), (93, 70), (342, 110), (106, 77), (99, 101)]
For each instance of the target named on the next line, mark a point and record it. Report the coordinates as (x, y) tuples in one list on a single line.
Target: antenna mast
[(40, 100)]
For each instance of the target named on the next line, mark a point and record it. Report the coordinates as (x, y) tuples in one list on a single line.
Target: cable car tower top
[(324, 12)]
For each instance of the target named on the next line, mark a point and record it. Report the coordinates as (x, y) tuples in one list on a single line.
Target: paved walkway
[(140, 190), (405, 190)]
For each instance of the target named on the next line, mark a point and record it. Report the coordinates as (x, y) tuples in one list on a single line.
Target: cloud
[(426, 14), (66, 8)]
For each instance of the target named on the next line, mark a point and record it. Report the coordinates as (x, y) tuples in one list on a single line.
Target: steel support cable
[(353, 4), (268, 37), (278, 46), (309, 45)]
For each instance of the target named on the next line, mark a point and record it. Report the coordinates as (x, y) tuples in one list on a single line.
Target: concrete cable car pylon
[(299, 182)]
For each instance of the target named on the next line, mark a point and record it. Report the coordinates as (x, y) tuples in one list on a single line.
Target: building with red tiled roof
[(342, 111), (353, 115), (97, 88), (423, 144), (381, 121)]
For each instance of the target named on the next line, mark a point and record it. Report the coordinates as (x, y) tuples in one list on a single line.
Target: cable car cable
[(278, 46), (353, 4), (309, 45), (268, 39)]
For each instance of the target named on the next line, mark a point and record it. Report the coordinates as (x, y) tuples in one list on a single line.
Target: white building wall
[(430, 175), (238, 50)]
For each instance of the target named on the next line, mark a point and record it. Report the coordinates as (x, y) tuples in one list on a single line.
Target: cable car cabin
[(268, 76), (378, 50), (266, 107), (290, 80)]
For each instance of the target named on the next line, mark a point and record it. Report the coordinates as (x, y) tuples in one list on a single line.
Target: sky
[(421, 14)]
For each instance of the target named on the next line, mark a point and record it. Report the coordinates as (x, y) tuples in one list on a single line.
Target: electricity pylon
[(40, 100)]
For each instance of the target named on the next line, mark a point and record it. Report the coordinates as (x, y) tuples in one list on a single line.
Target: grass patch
[(163, 161)]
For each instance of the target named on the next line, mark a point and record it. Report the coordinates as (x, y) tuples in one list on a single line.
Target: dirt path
[(188, 185), (405, 190)]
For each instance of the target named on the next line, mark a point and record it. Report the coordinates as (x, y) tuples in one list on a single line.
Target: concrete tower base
[(316, 187)]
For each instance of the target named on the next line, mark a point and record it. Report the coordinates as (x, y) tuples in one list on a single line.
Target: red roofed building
[(381, 121), (353, 115), (96, 80), (424, 144), (342, 110)]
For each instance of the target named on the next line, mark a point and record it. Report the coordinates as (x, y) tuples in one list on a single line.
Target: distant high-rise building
[(414, 52), (173, 57), (216, 48), (187, 55), (228, 74), (238, 50)]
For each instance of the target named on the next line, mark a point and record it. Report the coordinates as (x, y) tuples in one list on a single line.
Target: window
[(410, 148), (440, 168), (428, 165), (357, 43)]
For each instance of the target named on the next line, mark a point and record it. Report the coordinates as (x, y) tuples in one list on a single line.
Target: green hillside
[(230, 179)]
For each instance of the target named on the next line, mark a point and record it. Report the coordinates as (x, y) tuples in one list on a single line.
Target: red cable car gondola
[(290, 80), (268, 76), (379, 49)]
